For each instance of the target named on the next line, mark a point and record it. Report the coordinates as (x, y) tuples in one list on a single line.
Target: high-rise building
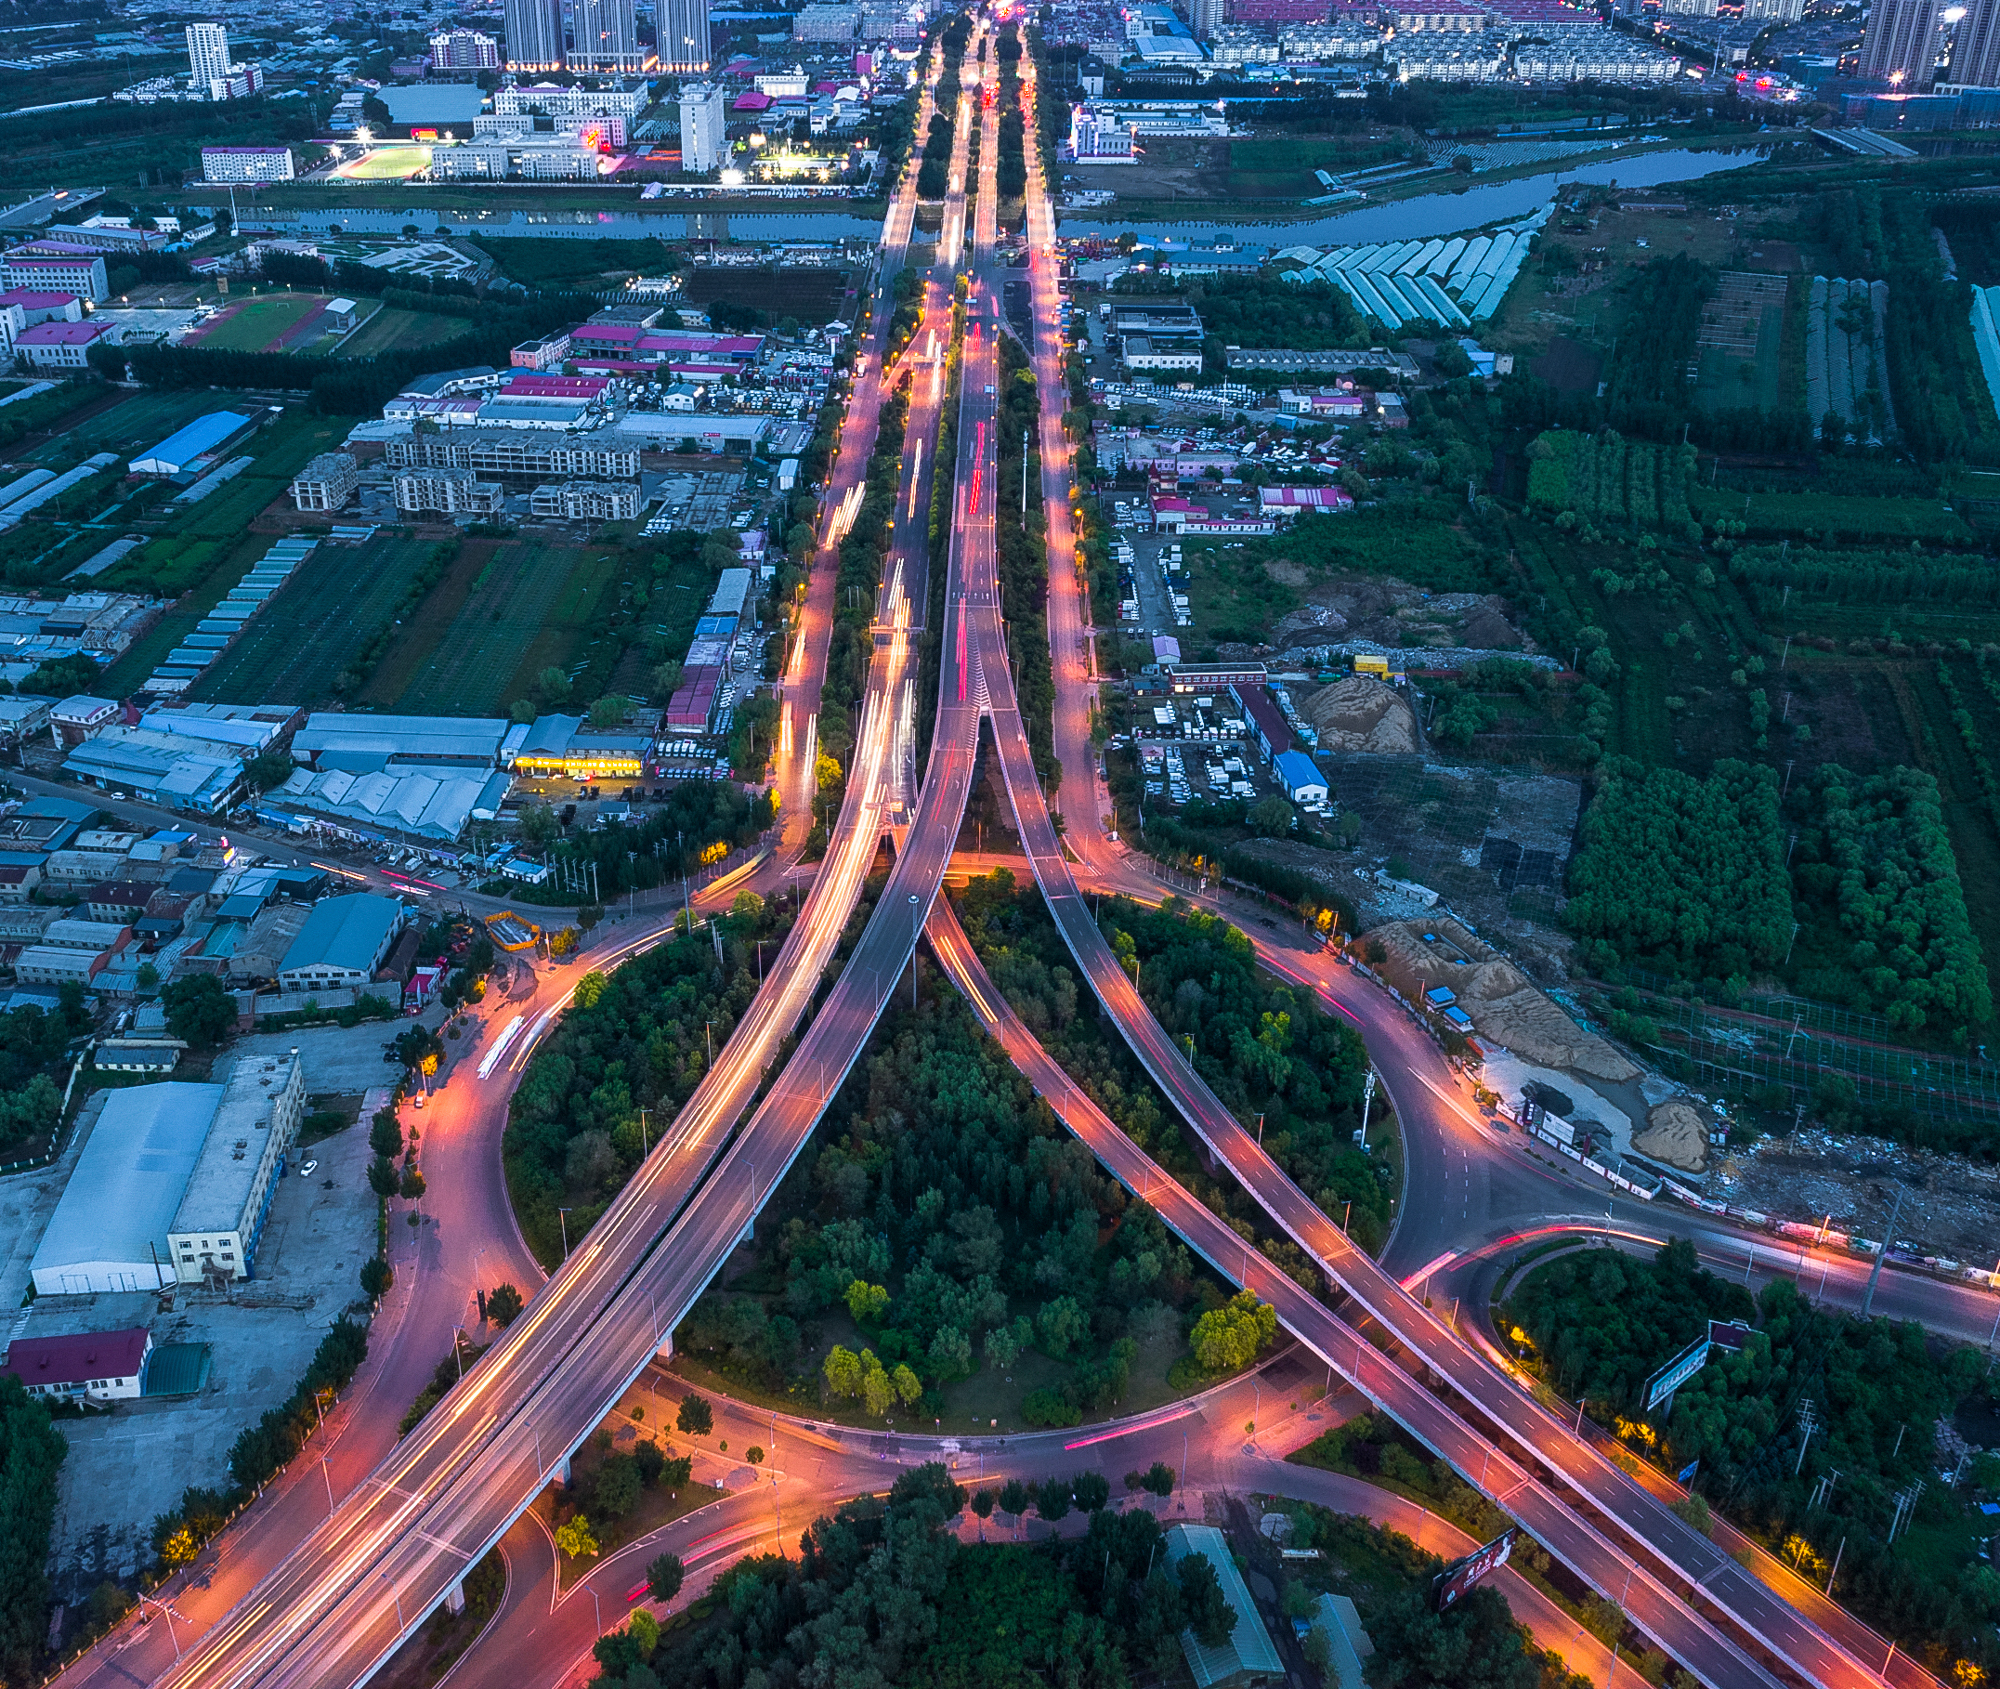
[(1204, 16), (208, 53), (606, 37), (684, 33), (534, 34), (1975, 44), (704, 127), (464, 49), (1900, 45)]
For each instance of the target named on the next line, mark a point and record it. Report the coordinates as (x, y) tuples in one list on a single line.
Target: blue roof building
[(178, 451), (1300, 776)]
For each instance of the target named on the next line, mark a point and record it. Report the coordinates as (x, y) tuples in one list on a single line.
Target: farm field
[(524, 611), (391, 330), (809, 295), (326, 613), (130, 425)]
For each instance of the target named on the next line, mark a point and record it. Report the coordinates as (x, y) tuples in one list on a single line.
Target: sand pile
[(1676, 1134), (1362, 715), (1503, 1005)]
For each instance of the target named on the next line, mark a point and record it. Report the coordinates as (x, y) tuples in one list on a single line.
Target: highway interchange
[(364, 1535)]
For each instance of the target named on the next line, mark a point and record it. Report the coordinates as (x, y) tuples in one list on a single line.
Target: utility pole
[(1367, 1098), (1808, 1424), (1882, 1254)]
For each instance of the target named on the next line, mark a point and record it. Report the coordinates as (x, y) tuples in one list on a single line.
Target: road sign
[(1728, 1335), (1459, 1577), (1685, 1476)]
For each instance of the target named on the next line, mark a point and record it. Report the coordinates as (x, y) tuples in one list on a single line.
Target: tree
[(1014, 1497), (865, 1301), (1272, 816), (576, 1539), (611, 711), (199, 1010), (1052, 1499), (269, 770), (539, 827), (411, 1186), (652, 1460), (664, 1576), (382, 1176), (376, 1277), (148, 976), (842, 1372), (878, 1393), (909, 1387), (1062, 1324), (618, 1485), (107, 361), (385, 1133), (696, 1418), (503, 1305), (982, 1503), (1208, 1612), (1092, 1491), (1229, 1337), (1158, 1479)]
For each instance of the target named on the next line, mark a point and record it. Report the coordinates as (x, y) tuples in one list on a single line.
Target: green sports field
[(253, 326), (387, 164)]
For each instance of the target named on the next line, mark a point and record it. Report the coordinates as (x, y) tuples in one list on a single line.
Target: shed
[(200, 438), (1249, 1656)]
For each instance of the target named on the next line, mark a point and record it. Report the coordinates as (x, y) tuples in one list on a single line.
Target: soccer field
[(387, 164), (254, 325)]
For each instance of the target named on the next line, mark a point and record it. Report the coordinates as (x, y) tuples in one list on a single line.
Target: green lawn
[(391, 330), (131, 425)]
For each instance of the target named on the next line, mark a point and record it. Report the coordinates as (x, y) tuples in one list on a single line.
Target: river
[(1406, 219)]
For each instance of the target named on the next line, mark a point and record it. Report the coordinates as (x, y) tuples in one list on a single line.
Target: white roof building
[(109, 1230)]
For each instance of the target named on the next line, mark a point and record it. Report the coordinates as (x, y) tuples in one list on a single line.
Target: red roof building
[(100, 1366)]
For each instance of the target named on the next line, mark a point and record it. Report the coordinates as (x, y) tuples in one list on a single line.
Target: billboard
[(1459, 1577), (1729, 1336)]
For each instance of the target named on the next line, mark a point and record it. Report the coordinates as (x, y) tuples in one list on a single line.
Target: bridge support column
[(561, 1474), (666, 1348), (454, 1597), (749, 1231)]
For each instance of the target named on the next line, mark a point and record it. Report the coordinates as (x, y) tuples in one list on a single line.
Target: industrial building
[(221, 1216), (109, 1229), (343, 942), (562, 745), (160, 767), (363, 744), (423, 802), (327, 482), (694, 706)]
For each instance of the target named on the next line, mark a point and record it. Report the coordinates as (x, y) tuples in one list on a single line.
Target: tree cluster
[(1602, 1324), (34, 1051), (1683, 875), (31, 1451), (638, 1038), (885, 1581)]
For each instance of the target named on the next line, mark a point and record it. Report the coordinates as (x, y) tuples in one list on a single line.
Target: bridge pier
[(749, 1231), (666, 1348), (561, 1474), (454, 1597)]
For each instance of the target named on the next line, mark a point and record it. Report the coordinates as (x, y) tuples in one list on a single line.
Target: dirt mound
[(1503, 1005), (1676, 1133), (1362, 715)]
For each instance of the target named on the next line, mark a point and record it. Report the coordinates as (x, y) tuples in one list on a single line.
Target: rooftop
[(62, 334), (344, 932), (78, 1359), (221, 1181), (128, 1181)]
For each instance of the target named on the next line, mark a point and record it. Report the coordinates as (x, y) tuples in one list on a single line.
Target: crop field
[(809, 295), (131, 425), (314, 627), (387, 164), (524, 611), (391, 330), (263, 324)]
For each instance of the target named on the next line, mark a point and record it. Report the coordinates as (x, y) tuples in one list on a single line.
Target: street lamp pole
[(563, 1215)]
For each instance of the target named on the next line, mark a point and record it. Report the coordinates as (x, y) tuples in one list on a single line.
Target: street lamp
[(563, 1215)]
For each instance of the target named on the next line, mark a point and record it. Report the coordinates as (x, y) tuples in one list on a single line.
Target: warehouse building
[(562, 745), (363, 744), (221, 1215), (201, 439), (109, 1229), (343, 942)]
